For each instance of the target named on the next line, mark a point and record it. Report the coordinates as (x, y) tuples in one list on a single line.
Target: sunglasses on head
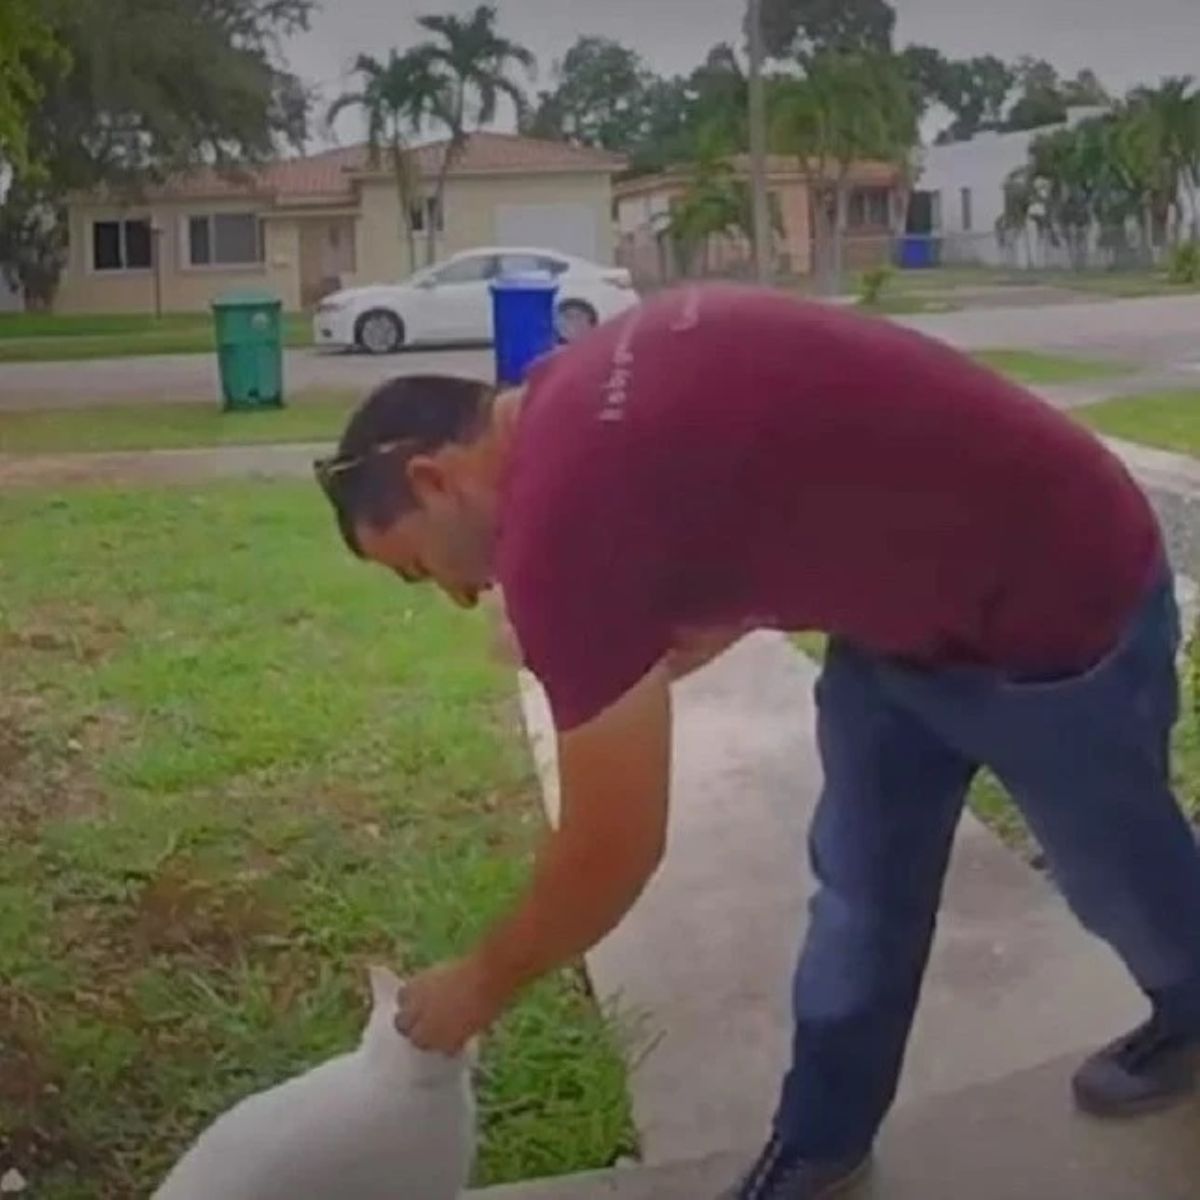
[(329, 470)]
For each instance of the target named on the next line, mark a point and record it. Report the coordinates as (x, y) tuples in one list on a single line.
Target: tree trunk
[(841, 209), (453, 148), (1148, 233), (404, 196)]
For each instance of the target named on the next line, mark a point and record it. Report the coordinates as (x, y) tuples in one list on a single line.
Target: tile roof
[(780, 168), (326, 177)]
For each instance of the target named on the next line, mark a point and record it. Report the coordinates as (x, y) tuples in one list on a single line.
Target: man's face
[(448, 538)]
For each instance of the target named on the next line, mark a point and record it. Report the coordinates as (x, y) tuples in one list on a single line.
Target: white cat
[(386, 1122)]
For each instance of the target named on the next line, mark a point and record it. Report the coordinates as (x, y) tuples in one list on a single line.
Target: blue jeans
[(1088, 761)]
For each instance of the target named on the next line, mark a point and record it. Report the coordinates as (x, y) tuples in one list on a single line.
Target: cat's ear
[(386, 987)]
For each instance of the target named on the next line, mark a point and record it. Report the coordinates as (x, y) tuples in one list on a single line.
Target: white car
[(452, 301)]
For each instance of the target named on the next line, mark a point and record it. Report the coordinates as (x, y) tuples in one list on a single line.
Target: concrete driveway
[(1161, 335)]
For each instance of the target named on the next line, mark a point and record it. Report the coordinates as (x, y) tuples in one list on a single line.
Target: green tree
[(848, 108), (1146, 145), (395, 98), (1168, 118), (928, 70), (606, 96), (976, 91), (1106, 176), (806, 28), (472, 63), (28, 49), (717, 201), (150, 89), (1045, 98), (158, 88), (1085, 91), (719, 90), (601, 96), (33, 241)]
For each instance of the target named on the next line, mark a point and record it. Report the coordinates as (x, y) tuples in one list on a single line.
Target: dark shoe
[(1143, 1072), (777, 1176)]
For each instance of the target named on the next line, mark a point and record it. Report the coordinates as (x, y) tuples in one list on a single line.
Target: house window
[(420, 215), (968, 216), (121, 246), (870, 208), (225, 240)]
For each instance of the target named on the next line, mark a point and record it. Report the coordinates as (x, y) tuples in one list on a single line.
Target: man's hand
[(443, 1008)]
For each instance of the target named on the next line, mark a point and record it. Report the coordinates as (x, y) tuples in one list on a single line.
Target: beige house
[(878, 197), (303, 227)]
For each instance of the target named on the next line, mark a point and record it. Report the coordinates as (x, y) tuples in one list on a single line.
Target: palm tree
[(471, 63), (716, 202), (396, 97), (848, 108), (1173, 111)]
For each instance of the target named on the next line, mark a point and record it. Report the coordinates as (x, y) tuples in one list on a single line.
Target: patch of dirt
[(47, 775), (32, 1137), (180, 912), (84, 634)]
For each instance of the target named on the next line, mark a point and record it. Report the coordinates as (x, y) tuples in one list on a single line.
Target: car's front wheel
[(575, 320), (379, 332)]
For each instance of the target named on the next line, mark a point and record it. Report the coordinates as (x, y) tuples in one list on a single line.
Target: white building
[(964, 182)]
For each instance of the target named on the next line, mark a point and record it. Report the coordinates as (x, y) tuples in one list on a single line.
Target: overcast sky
[(1126, 41)]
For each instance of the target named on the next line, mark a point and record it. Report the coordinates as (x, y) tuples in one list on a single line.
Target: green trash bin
[(250, 350)]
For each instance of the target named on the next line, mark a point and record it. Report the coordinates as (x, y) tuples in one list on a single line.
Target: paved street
[(1160, 334), (186, 378), (1161, 330)]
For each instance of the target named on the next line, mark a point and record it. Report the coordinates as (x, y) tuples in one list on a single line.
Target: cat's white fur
[(386, 1122)]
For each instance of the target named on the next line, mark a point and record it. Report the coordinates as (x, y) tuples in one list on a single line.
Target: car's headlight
[(328, 307)]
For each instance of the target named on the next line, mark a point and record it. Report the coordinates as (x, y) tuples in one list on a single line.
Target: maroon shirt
[(725, 456)]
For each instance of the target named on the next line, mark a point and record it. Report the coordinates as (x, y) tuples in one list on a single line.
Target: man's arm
[(614, 777), (614, 774)]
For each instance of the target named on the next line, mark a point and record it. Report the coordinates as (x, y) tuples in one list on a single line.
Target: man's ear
[(428, 478)]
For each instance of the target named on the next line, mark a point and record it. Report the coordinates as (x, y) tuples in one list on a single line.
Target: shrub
[(872, 285), (1185, 264)]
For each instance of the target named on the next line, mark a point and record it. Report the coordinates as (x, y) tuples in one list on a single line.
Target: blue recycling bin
[(523, 311), (918, 251)]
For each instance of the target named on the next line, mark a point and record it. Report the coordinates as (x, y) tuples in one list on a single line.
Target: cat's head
[(383, 1041)]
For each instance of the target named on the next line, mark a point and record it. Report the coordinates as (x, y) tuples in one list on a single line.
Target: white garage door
[(567, 228)]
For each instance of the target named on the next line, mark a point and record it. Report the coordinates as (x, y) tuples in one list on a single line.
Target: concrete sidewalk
[(1015, 1139), (703, 964), (140, 467)]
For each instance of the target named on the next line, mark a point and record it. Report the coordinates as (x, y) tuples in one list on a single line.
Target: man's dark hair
[(403, 418)]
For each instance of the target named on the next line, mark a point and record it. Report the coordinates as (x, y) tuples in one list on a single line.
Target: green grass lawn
[(45, 337), (1032, 367), (235, 767), (908, 305), (1115, 284), (308, 417), (1168, 420)]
